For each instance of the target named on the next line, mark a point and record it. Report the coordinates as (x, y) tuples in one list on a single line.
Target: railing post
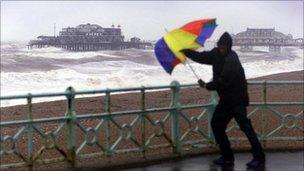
[(30, 133), (108, 127), (213, 102), (143, 120), (175, 104), (71, 118)]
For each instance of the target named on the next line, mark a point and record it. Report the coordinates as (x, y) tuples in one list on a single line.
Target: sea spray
[(53, 69)]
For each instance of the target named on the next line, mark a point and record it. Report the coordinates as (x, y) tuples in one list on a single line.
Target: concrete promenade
[(275, 161)]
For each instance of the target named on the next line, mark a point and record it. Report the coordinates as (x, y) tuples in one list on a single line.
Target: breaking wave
[(53, 69)]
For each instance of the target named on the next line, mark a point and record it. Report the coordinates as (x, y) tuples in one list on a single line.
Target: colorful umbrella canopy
[(190, 36)]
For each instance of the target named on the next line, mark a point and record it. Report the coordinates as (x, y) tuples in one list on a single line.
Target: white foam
[(125, 73), (12, 45), (263, 67), (58, 53)]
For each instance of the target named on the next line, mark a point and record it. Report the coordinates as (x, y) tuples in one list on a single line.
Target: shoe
[(255, 163), (223, 162)]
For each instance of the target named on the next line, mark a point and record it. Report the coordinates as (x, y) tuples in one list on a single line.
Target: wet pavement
[(275, 161)]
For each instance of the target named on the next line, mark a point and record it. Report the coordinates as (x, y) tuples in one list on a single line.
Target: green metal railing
[(70, 136)]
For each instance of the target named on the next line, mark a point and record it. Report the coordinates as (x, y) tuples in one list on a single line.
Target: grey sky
[(24, 20)]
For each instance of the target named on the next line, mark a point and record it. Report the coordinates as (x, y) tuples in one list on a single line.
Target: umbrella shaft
[(192, 70)]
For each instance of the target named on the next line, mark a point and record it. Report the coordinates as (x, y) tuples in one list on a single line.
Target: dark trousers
[(221, 117)]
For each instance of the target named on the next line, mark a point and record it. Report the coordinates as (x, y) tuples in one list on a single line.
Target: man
[(230, 83)]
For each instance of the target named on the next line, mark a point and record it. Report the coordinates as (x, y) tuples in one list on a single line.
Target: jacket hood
[(226, 40)]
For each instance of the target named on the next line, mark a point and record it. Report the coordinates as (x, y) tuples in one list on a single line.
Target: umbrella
[(190, 36)]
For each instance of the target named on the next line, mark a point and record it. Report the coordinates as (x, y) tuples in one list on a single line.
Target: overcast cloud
[(25, 20)]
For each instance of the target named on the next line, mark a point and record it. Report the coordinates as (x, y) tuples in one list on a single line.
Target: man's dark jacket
[(228, 75)]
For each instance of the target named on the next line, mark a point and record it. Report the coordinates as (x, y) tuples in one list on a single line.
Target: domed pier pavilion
[(265, 37), (89, 37)]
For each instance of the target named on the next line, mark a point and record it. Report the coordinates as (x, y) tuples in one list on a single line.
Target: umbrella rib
[(187, 62)]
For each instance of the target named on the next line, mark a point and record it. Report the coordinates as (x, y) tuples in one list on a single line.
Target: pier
[(265, 37), (89, 37)]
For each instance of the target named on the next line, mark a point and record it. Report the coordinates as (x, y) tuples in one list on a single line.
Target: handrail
[(151, 128), (100, 91)]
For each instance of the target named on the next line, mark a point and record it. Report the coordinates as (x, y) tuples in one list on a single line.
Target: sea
[(51, 69)]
